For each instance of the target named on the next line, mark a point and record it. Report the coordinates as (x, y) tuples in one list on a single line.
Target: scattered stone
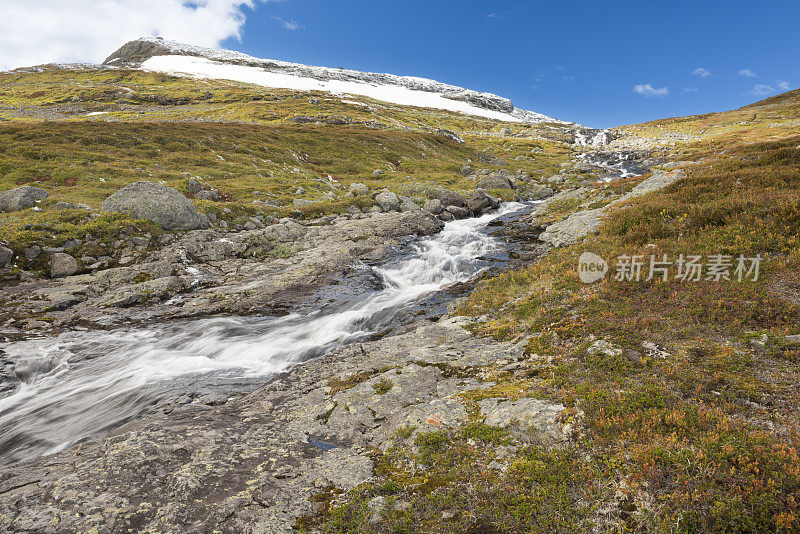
[(450, 135), (62, 265), (491, 160), (21, 198), (211, 195), (377, 173), (466, 170), (302, 202), (60, 206), (157, 203)]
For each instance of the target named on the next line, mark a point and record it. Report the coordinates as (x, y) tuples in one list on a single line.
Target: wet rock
[(62, 265), (447, 197), (21, 198), (157, 203), (388, 201), (480, 202), (458, 212)]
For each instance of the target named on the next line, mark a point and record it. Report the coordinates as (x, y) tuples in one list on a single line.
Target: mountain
[(159, 55)]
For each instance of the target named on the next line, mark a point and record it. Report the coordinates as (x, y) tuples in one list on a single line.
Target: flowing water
[(82, 383)]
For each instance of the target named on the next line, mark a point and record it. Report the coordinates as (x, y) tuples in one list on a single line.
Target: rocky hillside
[(524, 400)]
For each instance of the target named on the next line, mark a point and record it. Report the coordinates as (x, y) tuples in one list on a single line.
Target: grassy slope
[(699, 438), (243, 140)]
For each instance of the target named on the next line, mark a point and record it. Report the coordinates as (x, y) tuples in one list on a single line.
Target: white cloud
[(291, 25), (493, 16), (761, 89), (650, 91), (44, 31), (701, 72), (690, 90), (747, 73)]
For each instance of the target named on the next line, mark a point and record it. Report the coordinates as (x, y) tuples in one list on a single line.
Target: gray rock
[(211, 195), (388, 201), (6, 256), (157, 203), (466, 170), (491, 160), (409, 206), (527, 413), (458, 212), (21, 198), (193, 186), (433, 206), (62, 265), (496, 180), (447, 197), (538, 192), (576, 226), (32, 252), (359, 189), (377, 173), (450, 135), (60, 206), (480, 202), (302, 202)]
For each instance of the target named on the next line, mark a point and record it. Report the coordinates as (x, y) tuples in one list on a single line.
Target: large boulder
[(157, 203), (496, 180), (388, 201), (447, 197), (62, 265), (21, 198)]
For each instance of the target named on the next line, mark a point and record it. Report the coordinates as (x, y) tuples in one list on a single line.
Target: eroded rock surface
[(252, 464)]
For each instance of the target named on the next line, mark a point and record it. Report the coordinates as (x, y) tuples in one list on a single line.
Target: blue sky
[(597, 63)]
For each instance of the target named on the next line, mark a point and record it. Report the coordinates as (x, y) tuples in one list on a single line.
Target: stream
[(82, 383)]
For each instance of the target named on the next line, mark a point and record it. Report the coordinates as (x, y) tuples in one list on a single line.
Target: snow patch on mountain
[(172, 57)]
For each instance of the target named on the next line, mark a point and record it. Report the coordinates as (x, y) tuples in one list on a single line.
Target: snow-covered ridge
[(172, 57)]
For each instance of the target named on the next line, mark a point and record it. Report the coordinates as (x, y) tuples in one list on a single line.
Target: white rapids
[(82, 383)]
